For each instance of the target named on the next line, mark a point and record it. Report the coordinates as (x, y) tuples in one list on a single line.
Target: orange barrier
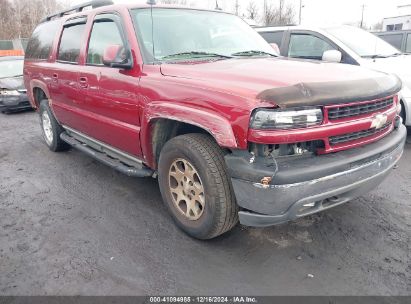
[(11, 53)]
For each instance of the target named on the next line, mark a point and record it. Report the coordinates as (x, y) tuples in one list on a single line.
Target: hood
[(398, 65), (13, 83), (287, 82)]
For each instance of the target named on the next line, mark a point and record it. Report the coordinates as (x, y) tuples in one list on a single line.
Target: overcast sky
[(317, 12)]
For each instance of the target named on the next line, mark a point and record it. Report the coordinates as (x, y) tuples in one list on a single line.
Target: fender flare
[(216, 125), (37, 84)]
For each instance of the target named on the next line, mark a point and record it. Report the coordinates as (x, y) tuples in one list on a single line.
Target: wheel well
[(39, 95), (165, 129), (403, 112)]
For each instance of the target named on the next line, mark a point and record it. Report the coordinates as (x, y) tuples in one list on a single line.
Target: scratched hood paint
[(285, 81)]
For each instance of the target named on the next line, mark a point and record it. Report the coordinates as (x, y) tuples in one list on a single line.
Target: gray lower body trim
[(275, 204)]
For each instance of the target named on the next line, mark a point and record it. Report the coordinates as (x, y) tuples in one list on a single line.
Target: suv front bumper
[(302, 186)]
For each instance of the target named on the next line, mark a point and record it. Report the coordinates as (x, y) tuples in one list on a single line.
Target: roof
[(396, 17), (299, 27), (104, 5), (285, 28), (272, 28)]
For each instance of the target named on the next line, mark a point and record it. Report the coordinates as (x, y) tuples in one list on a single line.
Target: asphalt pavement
[(72, 226)]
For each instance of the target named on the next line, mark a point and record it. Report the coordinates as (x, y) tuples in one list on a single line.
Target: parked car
[(231, 130), (345, 44), (398, 39), (13, 95)]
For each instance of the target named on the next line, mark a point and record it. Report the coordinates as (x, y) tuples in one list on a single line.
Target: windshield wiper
[(253, 53), (195, 54)]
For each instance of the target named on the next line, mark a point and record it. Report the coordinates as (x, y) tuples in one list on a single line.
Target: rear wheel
[(51, 129), (195, 186)]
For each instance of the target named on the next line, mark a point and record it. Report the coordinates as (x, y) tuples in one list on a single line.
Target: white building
[(400, 22)]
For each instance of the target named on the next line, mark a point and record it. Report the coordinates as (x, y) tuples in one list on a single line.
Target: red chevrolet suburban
[(198, 99)]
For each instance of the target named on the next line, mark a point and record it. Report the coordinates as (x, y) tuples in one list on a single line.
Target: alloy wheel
[(186, 188)]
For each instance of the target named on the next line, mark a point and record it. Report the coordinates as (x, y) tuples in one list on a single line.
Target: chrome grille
[(357, 135), (359, 109)]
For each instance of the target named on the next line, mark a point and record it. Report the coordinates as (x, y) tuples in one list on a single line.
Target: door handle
[(55, 77), (83, 82)]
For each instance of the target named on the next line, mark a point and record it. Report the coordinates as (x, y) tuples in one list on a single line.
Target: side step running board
[(106, 159)]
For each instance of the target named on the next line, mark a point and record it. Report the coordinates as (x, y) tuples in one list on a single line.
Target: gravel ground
[(72, 226)]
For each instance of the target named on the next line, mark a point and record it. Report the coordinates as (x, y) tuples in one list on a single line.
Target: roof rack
[(78, 8)]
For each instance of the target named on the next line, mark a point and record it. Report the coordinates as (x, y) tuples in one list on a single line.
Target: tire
[(51, 129), (402, 113), (215, 211)]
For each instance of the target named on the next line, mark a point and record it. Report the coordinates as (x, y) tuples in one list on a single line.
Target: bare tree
[(269, 14), (252, 10), (236, 7), (7, 22), (377, 26), (18, 18), (283, 14)]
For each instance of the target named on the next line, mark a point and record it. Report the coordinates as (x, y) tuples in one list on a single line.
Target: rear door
[(110, 109), (64, 87), (273, 37)]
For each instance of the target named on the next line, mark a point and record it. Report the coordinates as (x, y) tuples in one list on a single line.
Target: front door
[(110, 109)]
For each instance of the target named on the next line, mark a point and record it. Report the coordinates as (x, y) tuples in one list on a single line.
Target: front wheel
[(195, 186)]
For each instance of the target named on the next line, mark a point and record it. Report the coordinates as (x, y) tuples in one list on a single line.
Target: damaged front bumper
[(305, 185), (14, 103)]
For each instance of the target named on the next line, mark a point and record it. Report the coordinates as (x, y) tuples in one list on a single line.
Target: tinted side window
[(273, 37), (104, 33), (408, 45), (308, 46), (70, 43), (395, 40), (41, 42)]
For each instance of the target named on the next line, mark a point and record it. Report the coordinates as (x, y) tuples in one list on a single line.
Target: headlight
[(286, 119), (9, 92)]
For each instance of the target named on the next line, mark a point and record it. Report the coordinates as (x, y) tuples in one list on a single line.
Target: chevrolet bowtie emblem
[(379, 121)]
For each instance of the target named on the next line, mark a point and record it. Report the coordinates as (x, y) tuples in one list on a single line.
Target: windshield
[(362, 42), (184, 33), (11, 68)]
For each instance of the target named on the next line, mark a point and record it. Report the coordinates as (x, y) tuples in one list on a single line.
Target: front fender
[(219, 127)]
